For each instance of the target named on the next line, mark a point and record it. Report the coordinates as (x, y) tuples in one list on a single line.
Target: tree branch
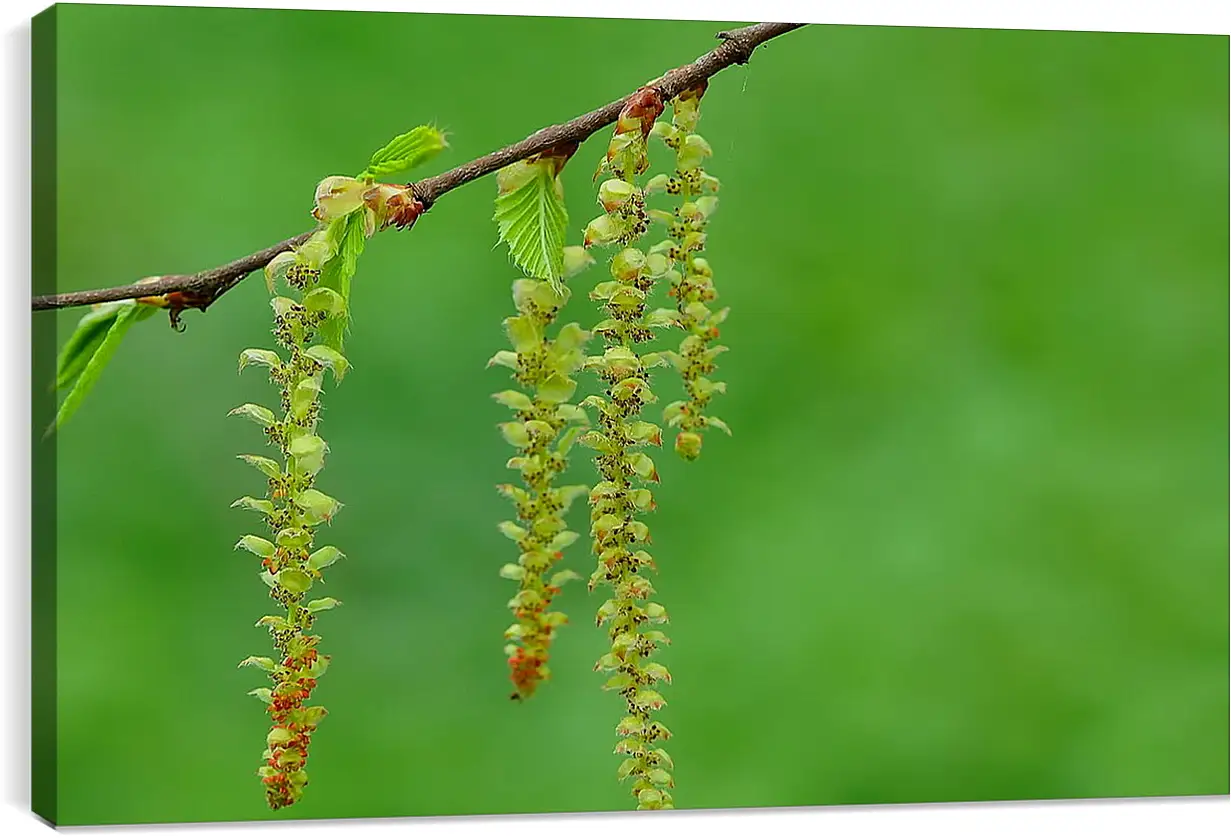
[(201, 289)]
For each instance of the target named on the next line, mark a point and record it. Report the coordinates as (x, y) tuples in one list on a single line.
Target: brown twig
[(201, 289)]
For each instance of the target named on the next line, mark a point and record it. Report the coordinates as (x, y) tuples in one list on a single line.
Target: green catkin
[(620, 497), (309, 326), (544, 428), (691, 278), (293, 508)]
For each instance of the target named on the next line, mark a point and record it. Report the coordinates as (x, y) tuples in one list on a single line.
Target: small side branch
[(205, 287)]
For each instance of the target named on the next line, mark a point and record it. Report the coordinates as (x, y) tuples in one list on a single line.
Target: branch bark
[(201, 289)]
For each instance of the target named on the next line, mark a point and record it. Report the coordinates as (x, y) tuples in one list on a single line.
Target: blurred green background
[(968, 542)]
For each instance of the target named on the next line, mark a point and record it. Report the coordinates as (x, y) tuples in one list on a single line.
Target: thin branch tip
[(205, 287)]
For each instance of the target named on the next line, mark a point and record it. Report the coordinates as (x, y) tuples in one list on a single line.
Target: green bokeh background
[(968, 542)]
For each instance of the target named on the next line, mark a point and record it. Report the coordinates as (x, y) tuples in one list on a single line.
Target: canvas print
[(463, 415)]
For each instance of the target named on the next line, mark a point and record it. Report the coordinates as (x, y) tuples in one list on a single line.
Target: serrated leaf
[(88, 336), (99, 354), (350, 238), (532, 221), (406, 151), (83, 343)]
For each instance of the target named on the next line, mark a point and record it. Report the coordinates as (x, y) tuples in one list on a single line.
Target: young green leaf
[(406, 151), (86, 338), (348, 233), (83, 343), (98, 358), (532, 219)]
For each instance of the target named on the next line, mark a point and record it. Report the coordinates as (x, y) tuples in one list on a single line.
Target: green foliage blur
[(969, 541)]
